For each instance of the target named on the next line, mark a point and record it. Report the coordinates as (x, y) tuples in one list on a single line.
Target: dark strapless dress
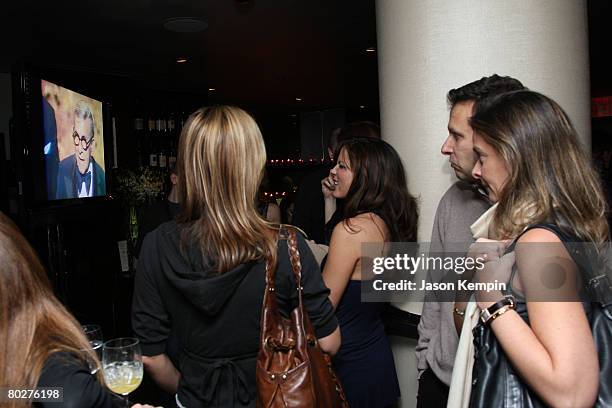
[(364, 363)]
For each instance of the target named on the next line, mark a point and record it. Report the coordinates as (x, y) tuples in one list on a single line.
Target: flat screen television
[(61, 141), (73, 146)]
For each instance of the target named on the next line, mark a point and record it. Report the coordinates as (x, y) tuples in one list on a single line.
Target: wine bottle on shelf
[(161, 150), (172, 156), (171, 125), (152, 144), (139, 137), (172, 137), (183, 120)]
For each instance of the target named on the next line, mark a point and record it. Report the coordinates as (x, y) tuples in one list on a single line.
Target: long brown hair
[(551, 177), (220, 166), (379, 186), (33, 323)]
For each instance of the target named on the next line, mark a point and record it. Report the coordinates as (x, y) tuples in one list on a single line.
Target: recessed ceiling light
[(185, 24), (371, 49), (361, 106), (212, 89), (181, 60), (298, 99)]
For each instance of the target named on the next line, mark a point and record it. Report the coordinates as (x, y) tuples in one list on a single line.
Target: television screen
[(73, 143)]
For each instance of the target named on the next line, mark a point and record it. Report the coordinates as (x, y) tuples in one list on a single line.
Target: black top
[(153, 216), (216, 317), (80, 387), (309, 212)]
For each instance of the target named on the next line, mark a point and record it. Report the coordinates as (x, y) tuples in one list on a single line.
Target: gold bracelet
[(497, 313), (486, 314), (459, 312)]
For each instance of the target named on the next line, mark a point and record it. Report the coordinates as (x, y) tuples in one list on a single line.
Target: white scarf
[(461, 380)]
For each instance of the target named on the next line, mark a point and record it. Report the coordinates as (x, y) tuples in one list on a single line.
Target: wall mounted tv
[(73, 127), (59, 139)]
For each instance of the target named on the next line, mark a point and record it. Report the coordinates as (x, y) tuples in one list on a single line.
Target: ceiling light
[(371, 49), (181, 60), (298, 99), (185, 25), (361, 106), (212, 89)]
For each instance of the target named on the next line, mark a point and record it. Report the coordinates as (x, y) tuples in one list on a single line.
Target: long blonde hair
[(551, 177), (33, 323), (220, 165)]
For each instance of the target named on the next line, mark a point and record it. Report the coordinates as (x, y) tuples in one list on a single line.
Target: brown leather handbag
[(292, 371)]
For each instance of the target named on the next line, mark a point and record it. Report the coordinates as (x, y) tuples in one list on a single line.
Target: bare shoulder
[(363, 227), (538, 235), (538, 245)]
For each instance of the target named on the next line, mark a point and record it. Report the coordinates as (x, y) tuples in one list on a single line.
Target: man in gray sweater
[(460, 206)]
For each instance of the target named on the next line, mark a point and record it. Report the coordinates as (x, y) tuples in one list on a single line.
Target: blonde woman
[(532, 164), (202, 276)]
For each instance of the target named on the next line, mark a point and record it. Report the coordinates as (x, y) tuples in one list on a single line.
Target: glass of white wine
[(122, 365), (94, 335)]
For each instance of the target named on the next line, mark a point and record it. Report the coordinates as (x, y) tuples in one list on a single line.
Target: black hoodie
[(216, 317)]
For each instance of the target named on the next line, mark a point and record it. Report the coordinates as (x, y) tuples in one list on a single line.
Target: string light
[(289, 162), (278, 194)]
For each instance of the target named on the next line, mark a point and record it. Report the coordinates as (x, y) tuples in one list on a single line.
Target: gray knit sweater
[(460, 206)]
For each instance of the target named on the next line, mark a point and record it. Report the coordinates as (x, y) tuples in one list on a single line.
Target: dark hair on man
[(353, 130), (380, 186), (485, 86)]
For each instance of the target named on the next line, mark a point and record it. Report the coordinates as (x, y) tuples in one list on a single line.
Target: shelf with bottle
[(157, 144)]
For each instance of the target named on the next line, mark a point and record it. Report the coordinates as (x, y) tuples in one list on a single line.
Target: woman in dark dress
[(202, 277), (370, 177)]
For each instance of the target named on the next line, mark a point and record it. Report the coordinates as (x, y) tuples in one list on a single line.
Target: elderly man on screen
[(79, 175)]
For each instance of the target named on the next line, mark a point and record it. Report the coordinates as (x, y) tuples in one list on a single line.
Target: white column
[(427, 47)]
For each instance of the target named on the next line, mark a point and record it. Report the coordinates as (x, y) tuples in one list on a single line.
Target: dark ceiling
[(262, 52), (258, 52), (600, 46)]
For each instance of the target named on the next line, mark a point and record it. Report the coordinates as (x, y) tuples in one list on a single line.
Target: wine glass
[(122, 365), (94, 335)]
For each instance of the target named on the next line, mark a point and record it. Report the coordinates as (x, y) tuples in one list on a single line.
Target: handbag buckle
[(283, 346)]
